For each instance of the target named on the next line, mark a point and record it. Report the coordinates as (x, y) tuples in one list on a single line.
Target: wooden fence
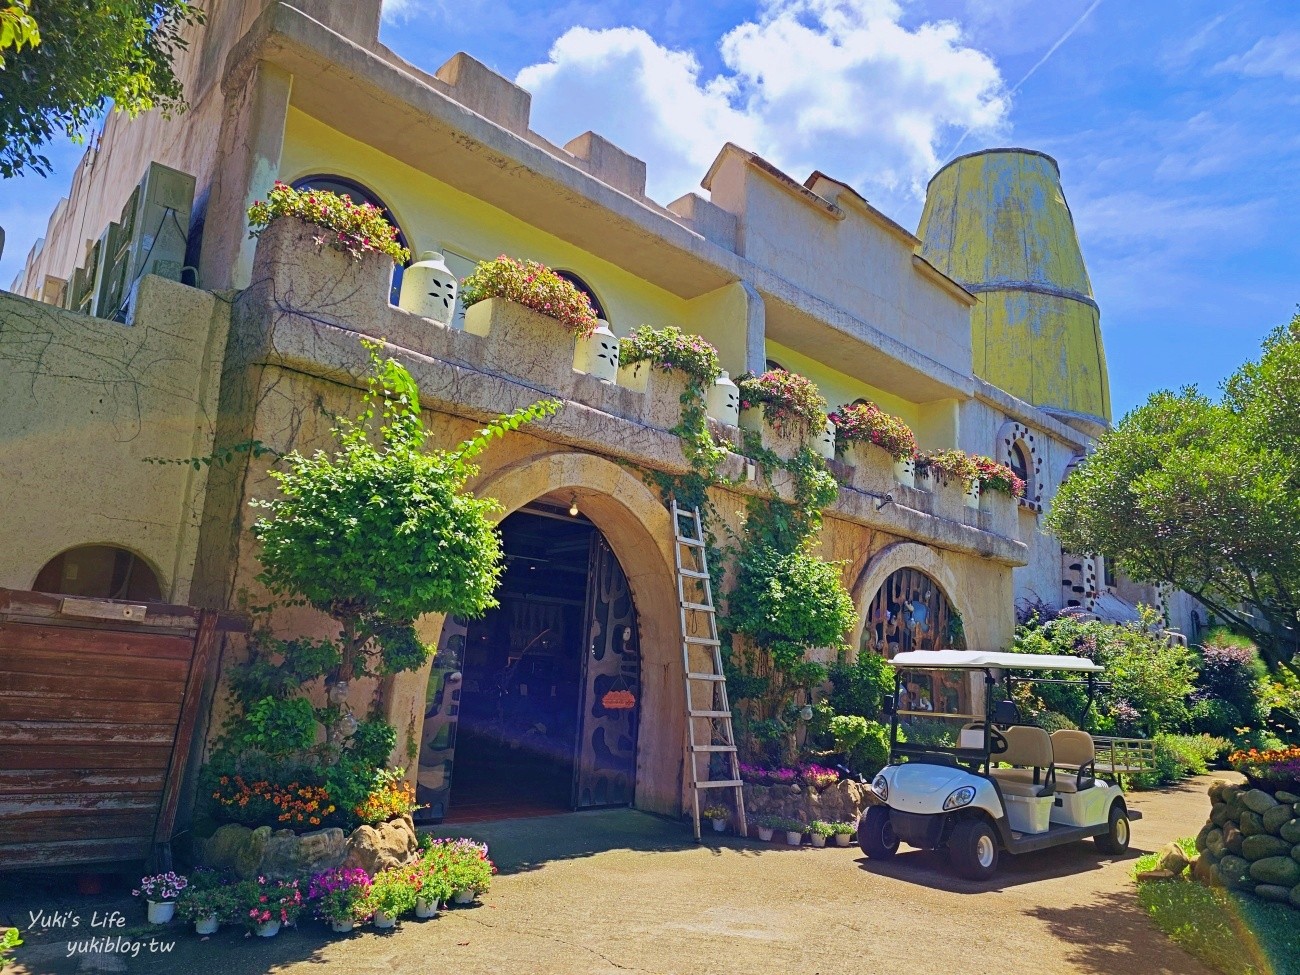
[(99, 706)]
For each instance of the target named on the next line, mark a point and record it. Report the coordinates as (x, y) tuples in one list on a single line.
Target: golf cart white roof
[(979, 659)]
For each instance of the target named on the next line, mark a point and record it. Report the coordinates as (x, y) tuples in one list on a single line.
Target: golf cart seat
[(1074, 752), (1031, 749)]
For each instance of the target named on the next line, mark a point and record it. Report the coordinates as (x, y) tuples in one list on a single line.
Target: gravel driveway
[(620, 891)]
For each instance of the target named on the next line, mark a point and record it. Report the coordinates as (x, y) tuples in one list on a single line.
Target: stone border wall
[(842, 802), (1251, 843)]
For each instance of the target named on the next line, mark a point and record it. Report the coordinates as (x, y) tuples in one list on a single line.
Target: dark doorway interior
[(519, 703)]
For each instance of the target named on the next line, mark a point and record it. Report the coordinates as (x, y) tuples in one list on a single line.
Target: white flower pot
[(268, 930), (719, 825), (160, 912), (207, 925), (464, 897), (429, 289), (426, 907), (342, 927), (905, 472), (722, 401), (824, 442), (765, 834), (842, 839), (972, 497), (817, 840), (793, 838), (383, 920), (597, 354)]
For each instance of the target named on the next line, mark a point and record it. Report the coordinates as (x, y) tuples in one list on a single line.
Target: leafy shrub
[(670, 348), (1050, 721), (860, 687), (534, 286), (358, 227), (868, 423), (1231, 689), (952, 464), (1179, 756), (931, 731), (390, 796), (788, 400), (864, 743), (393, 891), (998, 477), (277, 727)]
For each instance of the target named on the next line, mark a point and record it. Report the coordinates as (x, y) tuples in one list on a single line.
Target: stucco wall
[(84, 405)]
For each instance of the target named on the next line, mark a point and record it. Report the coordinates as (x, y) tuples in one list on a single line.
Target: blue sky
[(1176, 125)]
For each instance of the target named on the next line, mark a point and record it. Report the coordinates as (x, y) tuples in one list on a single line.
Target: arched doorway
[(535, 707), (99, 572)]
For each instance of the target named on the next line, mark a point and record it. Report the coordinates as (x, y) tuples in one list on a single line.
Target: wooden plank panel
[(203, 668), (100, 825), (13, 808), (98, 689), (85, 733), (136, 643), (79, 851), (23, 602), (82, 663), (39, 707), (53, 781), (29, 756)]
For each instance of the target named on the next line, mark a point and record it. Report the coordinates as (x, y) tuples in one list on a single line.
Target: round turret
[(997, 222)]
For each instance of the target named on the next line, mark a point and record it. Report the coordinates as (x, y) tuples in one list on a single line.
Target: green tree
[(1205, 496), (64, 61)]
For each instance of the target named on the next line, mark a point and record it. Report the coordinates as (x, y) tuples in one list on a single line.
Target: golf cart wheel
[(1115, 840), (973, 849), (876, 834)]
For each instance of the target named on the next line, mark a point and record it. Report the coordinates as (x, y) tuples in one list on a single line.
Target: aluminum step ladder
[(709, 730)]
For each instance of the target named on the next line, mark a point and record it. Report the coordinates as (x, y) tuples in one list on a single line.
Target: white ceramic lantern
[(972, 497), (722, 401), (825, 442), (905, 471), (598, 353), (429, 289)]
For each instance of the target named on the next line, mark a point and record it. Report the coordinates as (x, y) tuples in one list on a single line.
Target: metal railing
[(1118, 755)]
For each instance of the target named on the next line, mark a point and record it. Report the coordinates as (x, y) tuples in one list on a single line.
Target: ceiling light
[(573, 505)]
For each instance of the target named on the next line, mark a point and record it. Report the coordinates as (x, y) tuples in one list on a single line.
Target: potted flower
[(784, 408), (532, 285), (679, 362), (206, 902), (863, 428), (718, 815), (266, 905), (952, 466), (471, 870), (161, 891), (357, 228), (843, 833), (819, 831), (793, 830), (767, 826), (392, 894), (340, 896), (433, 876), (998, 477)]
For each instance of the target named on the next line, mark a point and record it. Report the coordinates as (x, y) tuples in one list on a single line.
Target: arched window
[(910, 612), (774, 366), (99, 572), (585, 288), (1018, 462), (359, 194)]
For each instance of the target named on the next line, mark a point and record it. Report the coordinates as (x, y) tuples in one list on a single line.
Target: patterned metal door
[(610, 702)]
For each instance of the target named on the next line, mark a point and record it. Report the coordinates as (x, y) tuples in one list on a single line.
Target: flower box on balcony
[(521, 342), (663, 389), (873, 467), (785, 442)]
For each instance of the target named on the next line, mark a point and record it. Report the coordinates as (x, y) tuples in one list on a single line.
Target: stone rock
[(375, 848), (221, 849), (1203, 870), (1171, 859), (1231, 793), (1217, 788), (1295, 896), (1282, 871), (1283, 796), (1272, 892), (1232, 839), (1202, 836), (1219, 813), (1157, 875), (1235, 873), (1275, 817), (1258, 801), (1290, 831), (1261, 846), (248, 861), (1295, 853), (289, 854), (1214, 842), (1250, 824)]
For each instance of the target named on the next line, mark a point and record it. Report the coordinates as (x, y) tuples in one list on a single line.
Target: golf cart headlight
[(960, 797), (882, 787)]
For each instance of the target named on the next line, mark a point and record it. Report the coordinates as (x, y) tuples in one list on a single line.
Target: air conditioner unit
[(150, 238), (85, 281), (55, 291)]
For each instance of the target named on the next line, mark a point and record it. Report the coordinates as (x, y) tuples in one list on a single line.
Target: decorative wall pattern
[(1011, 435)]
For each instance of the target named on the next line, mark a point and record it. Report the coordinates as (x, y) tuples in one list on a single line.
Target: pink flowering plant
[(955, 465), (356, 228), (868, 423), (787, 399), (818, 776), (670, 348), (468, 866), (998, 477), (161, 888), (263, 901), (534, 286), (340, 895)]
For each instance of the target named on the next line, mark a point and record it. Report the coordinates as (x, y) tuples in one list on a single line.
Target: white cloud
[(838, 86), (1275, 55)]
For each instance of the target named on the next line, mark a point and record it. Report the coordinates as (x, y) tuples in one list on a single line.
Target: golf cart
[(995, 783)]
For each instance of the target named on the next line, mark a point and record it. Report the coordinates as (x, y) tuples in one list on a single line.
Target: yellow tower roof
[(997, 222)]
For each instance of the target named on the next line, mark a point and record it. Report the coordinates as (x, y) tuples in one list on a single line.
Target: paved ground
[(620, 891)]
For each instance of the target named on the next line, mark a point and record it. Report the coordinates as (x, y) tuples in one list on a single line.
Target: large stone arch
[(638, 529), (891, 558)]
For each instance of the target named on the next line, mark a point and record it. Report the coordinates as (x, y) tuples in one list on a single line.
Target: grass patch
[(1233, 933)]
